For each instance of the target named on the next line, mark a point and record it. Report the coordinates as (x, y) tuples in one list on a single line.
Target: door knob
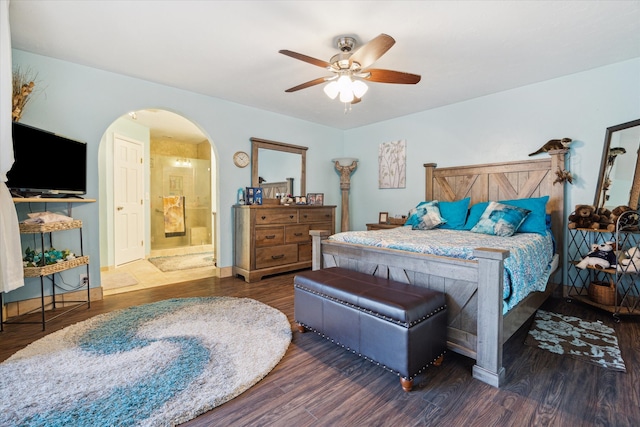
[(120, 208)]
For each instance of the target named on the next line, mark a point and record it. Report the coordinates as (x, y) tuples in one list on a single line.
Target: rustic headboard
[(503, 181)]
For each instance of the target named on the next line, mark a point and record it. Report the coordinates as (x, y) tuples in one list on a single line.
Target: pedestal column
[(346, 166)]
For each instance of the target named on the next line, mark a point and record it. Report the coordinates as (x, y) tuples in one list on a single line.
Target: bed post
[(488, 367), (428, 180), (316, 247), (556, 202)]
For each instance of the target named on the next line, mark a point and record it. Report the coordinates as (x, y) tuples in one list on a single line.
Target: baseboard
[(225, 271), (17, 308)]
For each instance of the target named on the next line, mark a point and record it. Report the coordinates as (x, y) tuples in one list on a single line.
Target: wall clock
[(241, 159)]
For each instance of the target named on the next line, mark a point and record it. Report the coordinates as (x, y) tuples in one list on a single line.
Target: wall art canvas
[(392, 166)]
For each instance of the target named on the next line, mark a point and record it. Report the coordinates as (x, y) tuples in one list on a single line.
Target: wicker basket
[(49, 227), (397, 221), (603, 292), (55, 268)]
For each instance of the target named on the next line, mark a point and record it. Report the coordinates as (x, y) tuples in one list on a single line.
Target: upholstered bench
[(398, 326)]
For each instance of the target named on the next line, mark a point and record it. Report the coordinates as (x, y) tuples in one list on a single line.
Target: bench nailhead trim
[(369, 359), (373, 313)]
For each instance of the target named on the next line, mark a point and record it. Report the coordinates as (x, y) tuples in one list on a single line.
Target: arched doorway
[(176, 189)]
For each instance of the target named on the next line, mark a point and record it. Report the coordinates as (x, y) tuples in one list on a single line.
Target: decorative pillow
[(536, 221), (414, 216), (428, 216), (500, 220), (454, 213)]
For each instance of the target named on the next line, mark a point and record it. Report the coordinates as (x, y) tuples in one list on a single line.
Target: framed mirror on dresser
[(278, 167), (274, 238), (619, 179)]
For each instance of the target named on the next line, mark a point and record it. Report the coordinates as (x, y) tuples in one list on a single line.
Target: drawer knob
[(263, 217), (277, 256), (272, 236), (305, 215), (297, 234), (291, 216)]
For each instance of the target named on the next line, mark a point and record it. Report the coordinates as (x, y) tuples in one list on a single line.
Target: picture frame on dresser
[(315, 199), (383, 217)]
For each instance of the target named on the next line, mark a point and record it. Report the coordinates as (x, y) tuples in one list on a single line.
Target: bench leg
[(406, 384), (439, 360), (301, 328)]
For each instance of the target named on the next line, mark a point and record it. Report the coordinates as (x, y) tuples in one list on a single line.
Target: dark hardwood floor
[(319, 384)]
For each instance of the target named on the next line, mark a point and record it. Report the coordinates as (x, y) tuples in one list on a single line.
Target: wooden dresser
[(271, 239)]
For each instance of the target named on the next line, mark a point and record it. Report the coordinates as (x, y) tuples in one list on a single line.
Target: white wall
[(82, 102)]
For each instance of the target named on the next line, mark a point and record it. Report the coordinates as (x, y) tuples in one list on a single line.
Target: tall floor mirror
[(619, 180)]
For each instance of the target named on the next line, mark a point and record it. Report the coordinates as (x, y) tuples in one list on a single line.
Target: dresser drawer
[(276, 255), (321, 226), (316, 215), (296, 233), (304, 252), (269, 236), (277, 216)]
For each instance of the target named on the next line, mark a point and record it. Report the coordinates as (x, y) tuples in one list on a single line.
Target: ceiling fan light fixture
[(332, 89), (346, 96), (359, 88)]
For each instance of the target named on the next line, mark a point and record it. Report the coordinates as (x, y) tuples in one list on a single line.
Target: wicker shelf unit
[(46, 230), (616, 290)]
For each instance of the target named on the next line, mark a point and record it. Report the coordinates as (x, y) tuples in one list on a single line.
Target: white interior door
[(128, 175)]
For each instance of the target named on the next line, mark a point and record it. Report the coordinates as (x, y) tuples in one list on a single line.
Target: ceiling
[(229, 49)]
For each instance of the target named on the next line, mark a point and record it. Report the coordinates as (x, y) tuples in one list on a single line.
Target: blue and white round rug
[(158, 364)]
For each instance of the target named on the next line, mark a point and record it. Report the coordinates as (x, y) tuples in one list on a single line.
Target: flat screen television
[(46, 164)]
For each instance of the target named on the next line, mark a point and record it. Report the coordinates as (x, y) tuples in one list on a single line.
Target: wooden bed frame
[(473, 288)]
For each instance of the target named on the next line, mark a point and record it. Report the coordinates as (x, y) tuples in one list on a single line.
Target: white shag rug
[(158, 364)]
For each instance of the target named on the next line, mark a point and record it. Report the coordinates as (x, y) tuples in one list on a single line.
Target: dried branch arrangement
[(23, 86)]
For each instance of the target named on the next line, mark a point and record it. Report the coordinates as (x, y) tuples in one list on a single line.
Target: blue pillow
[(474, 215), (428, 216), (500, 220), (454, 213), (536, 221)]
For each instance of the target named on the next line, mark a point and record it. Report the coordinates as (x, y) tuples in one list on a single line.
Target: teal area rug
[(158, 364), (591, 342), (184, 262)]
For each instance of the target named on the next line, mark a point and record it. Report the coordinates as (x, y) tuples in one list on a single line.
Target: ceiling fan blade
[(309, 84), (390, 76), (370, 52), (305, 58)]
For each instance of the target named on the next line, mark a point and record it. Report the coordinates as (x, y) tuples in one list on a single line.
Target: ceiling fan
[(350, 68)]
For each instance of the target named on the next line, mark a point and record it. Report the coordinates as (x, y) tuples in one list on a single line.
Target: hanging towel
[(173, 208)]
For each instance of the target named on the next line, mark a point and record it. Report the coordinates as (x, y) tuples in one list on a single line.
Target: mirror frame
[(257, 143), (634, 193)]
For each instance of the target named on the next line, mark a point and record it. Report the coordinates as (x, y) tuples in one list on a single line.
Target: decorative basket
[(49, 227), (603, 292), (397, 221), (55, 268)]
